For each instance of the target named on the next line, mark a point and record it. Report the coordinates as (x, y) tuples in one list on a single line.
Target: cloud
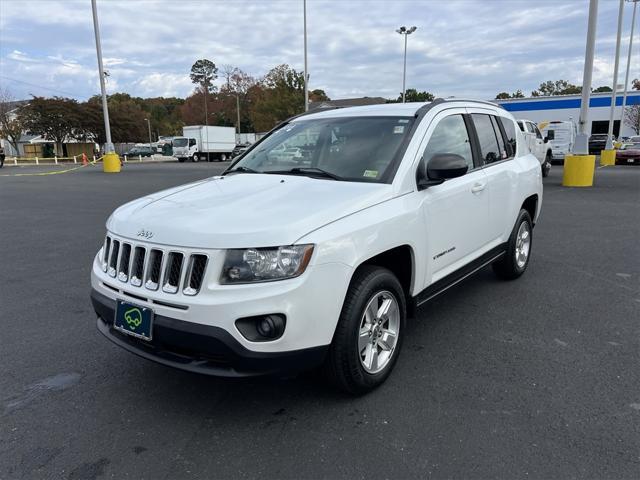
[(460, 48)]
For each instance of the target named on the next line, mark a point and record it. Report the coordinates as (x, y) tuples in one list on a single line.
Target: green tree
[(412, 95), (55, 118), (604, 88), (278, 96), (635, 84), (126, 115), (557, 87), (504, 95), (632, 117), (11, 124), (203, 73), (318, 95)]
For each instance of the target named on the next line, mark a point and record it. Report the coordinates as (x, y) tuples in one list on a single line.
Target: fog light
[(262, 328)]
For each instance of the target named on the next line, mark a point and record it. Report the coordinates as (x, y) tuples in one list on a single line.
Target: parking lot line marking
[(53, 172)]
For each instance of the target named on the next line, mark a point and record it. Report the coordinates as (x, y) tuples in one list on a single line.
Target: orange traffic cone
[(84, 159)]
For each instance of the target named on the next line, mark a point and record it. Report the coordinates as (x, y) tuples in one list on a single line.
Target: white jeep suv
[(285, 263)]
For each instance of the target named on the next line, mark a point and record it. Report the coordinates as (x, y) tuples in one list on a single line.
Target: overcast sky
[(461, 48)]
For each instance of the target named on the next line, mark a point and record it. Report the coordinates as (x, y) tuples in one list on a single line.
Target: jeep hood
[(243, 210)]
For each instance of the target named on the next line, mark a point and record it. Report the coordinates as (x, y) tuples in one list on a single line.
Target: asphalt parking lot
[(536, 378)]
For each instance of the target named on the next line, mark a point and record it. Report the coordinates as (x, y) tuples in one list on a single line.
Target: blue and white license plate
[(133, 320)]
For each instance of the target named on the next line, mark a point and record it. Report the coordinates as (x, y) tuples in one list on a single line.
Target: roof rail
[(462, 99)]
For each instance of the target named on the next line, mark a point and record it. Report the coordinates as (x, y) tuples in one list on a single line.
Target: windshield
[(630, 146), (350, 148), (180, 142)]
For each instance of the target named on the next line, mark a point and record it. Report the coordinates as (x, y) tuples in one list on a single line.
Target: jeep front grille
[(149, 268)]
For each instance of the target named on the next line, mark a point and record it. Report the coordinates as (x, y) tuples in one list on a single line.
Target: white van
[(562, 137)]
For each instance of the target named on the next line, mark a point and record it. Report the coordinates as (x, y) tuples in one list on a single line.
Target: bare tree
[(632, 117), (11, 124)]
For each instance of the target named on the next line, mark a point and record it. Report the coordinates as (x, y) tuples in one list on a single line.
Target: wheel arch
[(400, 261), (530, 204)]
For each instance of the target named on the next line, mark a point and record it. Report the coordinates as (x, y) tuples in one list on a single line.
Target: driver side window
[(450, 136)]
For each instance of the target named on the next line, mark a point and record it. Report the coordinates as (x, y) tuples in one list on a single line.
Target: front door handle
[(478, 187)]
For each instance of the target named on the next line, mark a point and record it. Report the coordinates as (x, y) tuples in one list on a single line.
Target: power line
[(38, 86)]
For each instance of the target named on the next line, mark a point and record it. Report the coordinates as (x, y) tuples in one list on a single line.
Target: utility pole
[(406, 32), (238, 111), (110, 157), (626, 77), (150, 141), (609, 145), (306, 74)]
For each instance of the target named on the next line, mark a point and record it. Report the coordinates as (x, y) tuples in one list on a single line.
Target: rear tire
[(223, 157), (369, 334), (516, 259)]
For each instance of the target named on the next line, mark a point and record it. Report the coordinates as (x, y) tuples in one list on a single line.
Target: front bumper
[(202, 348)]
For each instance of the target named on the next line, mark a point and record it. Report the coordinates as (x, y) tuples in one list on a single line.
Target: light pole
[(149, 125), (626, 77), (111, 161), (609, 145), (306, 74), (406, 32), (579, 166)]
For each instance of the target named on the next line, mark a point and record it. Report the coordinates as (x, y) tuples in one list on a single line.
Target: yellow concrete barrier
[(111, 163), (578, 170), (607, 157)]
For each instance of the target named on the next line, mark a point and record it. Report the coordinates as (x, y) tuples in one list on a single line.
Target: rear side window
[(510, 133), (489, 147), (450, 136)]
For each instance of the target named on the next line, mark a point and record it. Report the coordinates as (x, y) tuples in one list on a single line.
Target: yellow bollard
[(111, 163), (578, 170), (607, 157)]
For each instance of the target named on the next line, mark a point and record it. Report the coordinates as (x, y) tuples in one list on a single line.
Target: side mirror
[(441, 166)]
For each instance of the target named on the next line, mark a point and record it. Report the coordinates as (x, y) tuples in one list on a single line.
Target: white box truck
[(200, 142)]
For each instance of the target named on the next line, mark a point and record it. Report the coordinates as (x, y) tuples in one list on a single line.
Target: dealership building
[(567, 107)]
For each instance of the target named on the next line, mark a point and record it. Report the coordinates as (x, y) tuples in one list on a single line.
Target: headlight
[(265, 264)]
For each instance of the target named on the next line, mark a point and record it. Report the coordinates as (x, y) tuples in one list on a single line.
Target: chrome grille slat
[(124, 263), (145, 266), (137, 266), (154, 269), (172, 272), (195, 274), (113, 258)]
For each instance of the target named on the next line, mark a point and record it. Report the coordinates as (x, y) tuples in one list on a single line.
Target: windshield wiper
[(242, 169), (313, 171)]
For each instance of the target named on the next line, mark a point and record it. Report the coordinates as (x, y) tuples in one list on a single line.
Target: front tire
[(369, 334), (195, 158), (516, 259)]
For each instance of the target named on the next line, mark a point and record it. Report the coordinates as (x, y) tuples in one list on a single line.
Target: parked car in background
[(562, 137), (140, 152), (538, 144), (285, 263), (628, 153), (598, 142), (239, 150)]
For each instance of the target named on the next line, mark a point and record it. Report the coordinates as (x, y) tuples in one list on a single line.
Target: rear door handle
[(478, 187)]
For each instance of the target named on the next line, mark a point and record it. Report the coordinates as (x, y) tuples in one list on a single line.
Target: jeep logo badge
[(145, 233)]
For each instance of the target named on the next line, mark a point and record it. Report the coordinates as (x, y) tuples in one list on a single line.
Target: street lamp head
[(402, 29), (412, 29)]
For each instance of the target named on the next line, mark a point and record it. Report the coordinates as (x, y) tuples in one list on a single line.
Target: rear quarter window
[(510, 133)]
